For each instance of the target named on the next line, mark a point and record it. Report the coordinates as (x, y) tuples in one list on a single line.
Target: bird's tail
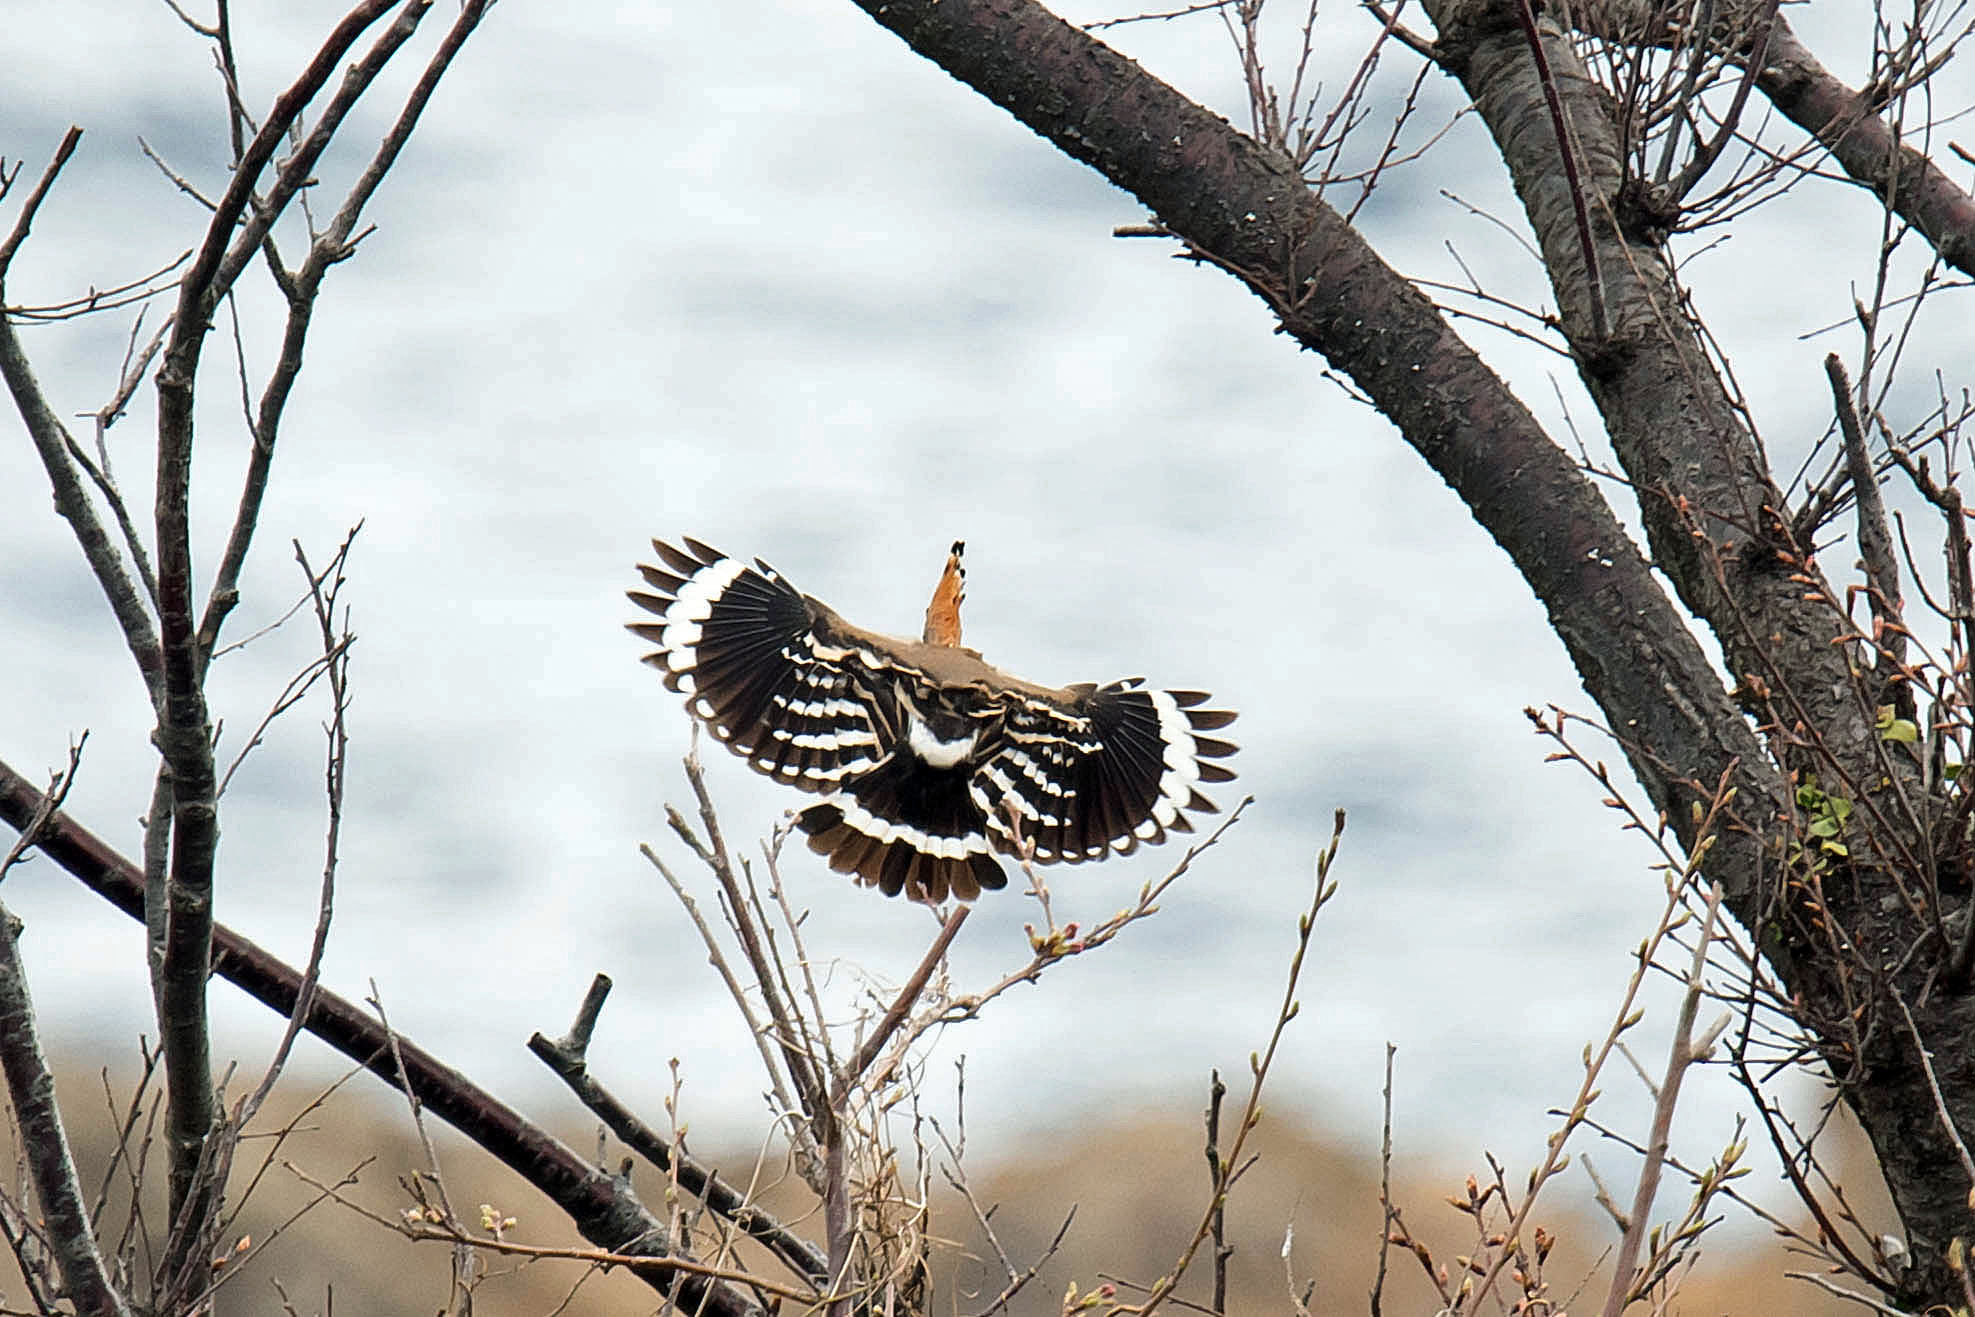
[(906, 829)]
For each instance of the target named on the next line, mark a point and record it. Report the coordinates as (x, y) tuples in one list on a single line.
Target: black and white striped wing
[(740, 643), (1120, 766)]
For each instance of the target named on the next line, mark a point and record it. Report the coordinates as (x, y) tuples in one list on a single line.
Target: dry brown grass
[(1137, 1185)]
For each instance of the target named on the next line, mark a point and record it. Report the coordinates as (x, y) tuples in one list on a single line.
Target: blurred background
[(754, 273)]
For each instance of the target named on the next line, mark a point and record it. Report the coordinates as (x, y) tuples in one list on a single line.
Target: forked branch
[(601, 1207)]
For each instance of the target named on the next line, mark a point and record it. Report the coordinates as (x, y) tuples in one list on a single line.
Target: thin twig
[(1926, 1059), (1678, 877), (1386, 1210), (332, 246), (1056, 944), (1217, 1175), (1323, 889), (642, 1264), (1696, 169), (902, 1004), (52, 444), (1853, 1296), (1683, 1052), (335, 657), (809, 1085), (784, 1099), (32, 203)]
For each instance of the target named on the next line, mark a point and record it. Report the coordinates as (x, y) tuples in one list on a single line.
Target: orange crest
[(943, 614)]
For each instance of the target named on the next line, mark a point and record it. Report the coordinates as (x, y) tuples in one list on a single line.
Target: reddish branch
[(601, 1206)]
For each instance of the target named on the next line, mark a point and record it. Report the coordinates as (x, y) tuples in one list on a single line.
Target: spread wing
[(929, 761), (1119, 765), (741, 644)]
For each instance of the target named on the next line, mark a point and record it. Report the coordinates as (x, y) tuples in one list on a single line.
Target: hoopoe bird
[(930, 763)]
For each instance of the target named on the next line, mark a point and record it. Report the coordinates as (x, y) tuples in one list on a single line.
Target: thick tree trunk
[(1717, 524), (1244, 207)]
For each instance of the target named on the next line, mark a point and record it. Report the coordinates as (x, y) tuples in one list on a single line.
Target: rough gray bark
[(44, 1145)]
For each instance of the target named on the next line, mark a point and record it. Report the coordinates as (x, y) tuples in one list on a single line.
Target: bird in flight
[(929, 761)]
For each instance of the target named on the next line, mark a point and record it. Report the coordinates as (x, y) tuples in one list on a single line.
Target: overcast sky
[(753, 272)]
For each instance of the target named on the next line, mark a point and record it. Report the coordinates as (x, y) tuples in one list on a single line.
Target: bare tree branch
[(324, 589), (601, 1206), (566, 1057), (45, 1143), (1875, 536), (1245, 210), (301, 289), (1847, 123), (184, 732), (1685, 1051), (52, 441)]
